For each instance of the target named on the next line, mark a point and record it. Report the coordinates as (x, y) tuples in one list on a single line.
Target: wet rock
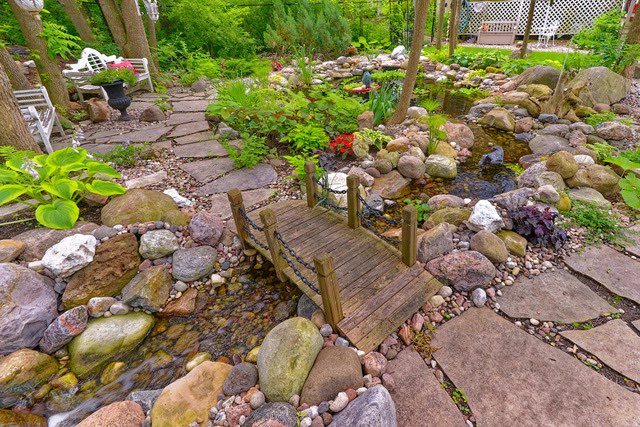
[(121, 414), (183, 306), (485, 217), (10, 250), (139, 205), (156, 244), (563, 164), (152, 113), (435, 242), (149, 289), (63, 329), (392, 185), (464, 271), (193, 263), (38, 240), (459, 133), (411, 167), (21, 372), (439, 166), (241, 378), (499, 118), (454, 216), (19, 419), (286, 357), (614, 131), (374, 408), (489, 245), (97, 306), (144, 398), (206, 228), (28, 305), (273, 414)]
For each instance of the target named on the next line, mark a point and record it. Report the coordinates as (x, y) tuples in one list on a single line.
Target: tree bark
[(633, 37), (527, 29), (14, 131), (422, 6), (14, 73), (453, 30), (78, 20), (153, 41), (50, 74), (440, 29)]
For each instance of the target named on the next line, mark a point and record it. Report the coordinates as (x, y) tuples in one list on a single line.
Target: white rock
[(305, 422), (217, 280), (257, 399), (180, 286), (436, 301), (340, 402), (337, 181), (583, 159), (180, 200), (445, 291), (398, 51), (70, 254), (479, 297), (534, 322), (485, 217)]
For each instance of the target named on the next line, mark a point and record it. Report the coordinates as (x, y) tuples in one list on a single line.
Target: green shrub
[(307, 138), (602, 150), (594, 119), (375, 138), (422, 208), (599, 223), (382, 102), (254, 150), (126, 156), (298, 161), (59, 41), (471, 92)]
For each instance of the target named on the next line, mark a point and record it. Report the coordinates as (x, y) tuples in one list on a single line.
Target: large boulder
[(499, 118), (140, 205), (489, 245), (548, 144), (614, 131), (540, 74), (21, 372), (435, 242), (439, 166), (193, 263), (68, 325), (392, 185), (601, 178), (190, 398), (336, 369), (149, 290), (464, 271), (598, 85), (563, 163), (411, 167), (28, 305), (120, 414), (286, 357), (106, 339), (156, 244), (115, 263), (373, 408), (459, 133), (38, 240)]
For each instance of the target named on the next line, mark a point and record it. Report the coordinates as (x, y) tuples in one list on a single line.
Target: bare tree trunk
[(527, 29), (440, 29), (633, 37), (153, 41), (14, 131), (14, 73), (48, 69), (422, 6), (78, 20), (453, 30)]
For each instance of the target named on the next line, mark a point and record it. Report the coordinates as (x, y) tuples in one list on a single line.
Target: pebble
[(534, 322), (445, 291), (361, 390), (180, 286), (305, 422), (339, 403), (342, 342), (479, 297), (294, 400), (326, 330), (436, 301), (119, 308)]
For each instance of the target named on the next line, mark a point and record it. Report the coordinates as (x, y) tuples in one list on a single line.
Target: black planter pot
[(118, 100)]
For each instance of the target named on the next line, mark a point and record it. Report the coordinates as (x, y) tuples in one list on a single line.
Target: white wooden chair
[(548, 34), (39, 113), (92, 61)]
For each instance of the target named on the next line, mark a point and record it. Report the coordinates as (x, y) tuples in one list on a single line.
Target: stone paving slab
[(140, 104), (146, 180), (200, 150), (7, 212), (556, 296), (418, 395), (196, 137), (512, 378), (189, 129), (614, 343), (207, 170), (613, 270), (636, 324), (190, 106), (179, 118), (242, 179), (220, 202), (103, 133), (147, 134), (634, 235)]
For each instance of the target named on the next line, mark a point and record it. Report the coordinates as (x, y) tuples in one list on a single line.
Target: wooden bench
[(92, 61), (497, 32), (39, 113)]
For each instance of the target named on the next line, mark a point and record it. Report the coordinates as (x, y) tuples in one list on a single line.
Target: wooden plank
[(326, 240), (314, 231), (365, 279)]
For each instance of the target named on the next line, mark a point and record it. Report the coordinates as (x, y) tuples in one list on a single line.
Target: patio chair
[(39, 113), (548, 34)]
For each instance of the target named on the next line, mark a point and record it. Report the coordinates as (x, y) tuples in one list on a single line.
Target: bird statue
[(366, 79)]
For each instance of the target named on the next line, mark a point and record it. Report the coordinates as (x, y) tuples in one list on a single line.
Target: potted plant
[(113, 80)]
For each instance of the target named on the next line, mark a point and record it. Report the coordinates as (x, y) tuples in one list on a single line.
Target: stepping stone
[(207, 170), (418, 394), (613, 270), (190, 139), (634, 235), (99, 148), (200, 149), (614, 343), (146, 134), (188, 129), (144, 181), (141, 105), (636, 324), (242, 179), (7, 212), (557, 297), (104, 134), (179, 118), (190, 106), (220, 202), (509, 375)]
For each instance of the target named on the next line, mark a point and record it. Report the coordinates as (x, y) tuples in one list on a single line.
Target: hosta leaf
[(105, 188), (15, 164), (66, 156), (102, 168), (63, 188), (72, 167), (7, 175), (10, 192), (60, 214)]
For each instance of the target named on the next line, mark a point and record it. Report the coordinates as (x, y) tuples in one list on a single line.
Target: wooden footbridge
[(366, 286)]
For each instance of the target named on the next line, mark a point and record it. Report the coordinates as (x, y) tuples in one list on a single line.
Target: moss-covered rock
[(563, 163), (453, 216), (139, 205), (21, 372), (515, 243)]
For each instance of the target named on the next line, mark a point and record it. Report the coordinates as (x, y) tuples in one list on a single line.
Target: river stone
[(189, 399), (614, 131), (241, 378), (558, 129), (336, 369), (21, 372), (514, 199), (38, 240), (530, 174), (114, 265), (454, 216), (445, 149), (156, 244), (436, 242), (489, 245), (499, 118), (439, 166), (550, 178), (10, 250), (598, 85), (445, 201), (548, 144), (28, 305), (63, 329), (19, 419), (539, 74), (515, 243), (589, 196), (193, 263), (140, 205), (306, 307), (70, 254), (464, 271), (459, 133), (273, 414), (120, 414), (206, 228), (106, 339), (411, 167), (485, 217), (149, 290), (600, 178), (286, 358), (392, 185), (144, 398), (373, 408), (479, 110), (563, 163), (183, 306)]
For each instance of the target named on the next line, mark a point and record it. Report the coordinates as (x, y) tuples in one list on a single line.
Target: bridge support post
[(409, 229), (353, 204), (236, 202), (268, 219), (329, 290), (310, 171)]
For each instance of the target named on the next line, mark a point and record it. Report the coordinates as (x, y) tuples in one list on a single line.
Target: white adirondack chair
[(39, 113)]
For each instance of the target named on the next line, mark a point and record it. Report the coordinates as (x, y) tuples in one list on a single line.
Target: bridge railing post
[(236, 202), (269, 223), (409, 229), (329, 290), (310, 175), (353, 204)]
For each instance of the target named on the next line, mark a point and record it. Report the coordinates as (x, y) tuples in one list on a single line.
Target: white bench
[(497, 32), (39, 113), (92, 61)]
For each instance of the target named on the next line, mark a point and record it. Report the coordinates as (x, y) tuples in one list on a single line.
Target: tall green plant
[(382, 102)]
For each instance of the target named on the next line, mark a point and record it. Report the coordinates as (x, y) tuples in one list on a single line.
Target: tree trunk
[(422, 6), (633, 37), (440, 29), (14, 131), (153, 41), (453, 31), (16, 76), (50, 74), (78, 20), (527, 29)]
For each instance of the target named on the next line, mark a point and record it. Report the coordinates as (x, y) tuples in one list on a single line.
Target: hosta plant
[(56, 183)]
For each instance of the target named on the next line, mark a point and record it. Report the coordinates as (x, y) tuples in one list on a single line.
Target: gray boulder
[(193, 263), (156, 244), (435, 242), (548, 144), (598, 85), (373, 408)]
